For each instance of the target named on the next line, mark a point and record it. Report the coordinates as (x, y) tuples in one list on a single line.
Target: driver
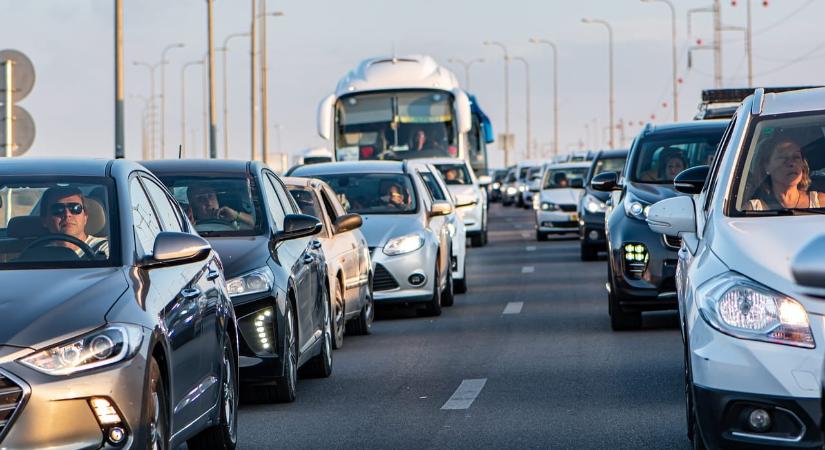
[(452, 176), (204, 203), (560, 180), (63, 211), (396, 197)]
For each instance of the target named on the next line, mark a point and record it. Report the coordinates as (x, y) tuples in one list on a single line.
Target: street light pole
[(610, 68), (466, 65), (555, 91), (226, 93), (163, 63), (183, 102), (120, 150), (213, 118), (253, 92), (527, 102), (151, 68), (506, 99), (264, 79), (675, 75)]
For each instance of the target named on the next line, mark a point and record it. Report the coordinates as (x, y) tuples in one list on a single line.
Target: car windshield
[(306, 200), (783, 167), (609, 165), (523, 172), (455, 173), (218, 206), (52, 223), (374, 193), (395, 126), (563, 177), (659, 160)]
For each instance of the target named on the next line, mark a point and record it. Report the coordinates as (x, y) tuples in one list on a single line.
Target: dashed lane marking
[(528, 269), (513, 308), (531, 248), (466, 393)]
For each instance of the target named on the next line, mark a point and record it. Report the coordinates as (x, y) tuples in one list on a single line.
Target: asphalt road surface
[(525, 359)]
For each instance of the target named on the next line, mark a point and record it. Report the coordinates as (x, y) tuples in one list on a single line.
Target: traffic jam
[(401, 288)]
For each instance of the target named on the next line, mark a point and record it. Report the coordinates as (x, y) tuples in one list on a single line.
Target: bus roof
[(397, 72)]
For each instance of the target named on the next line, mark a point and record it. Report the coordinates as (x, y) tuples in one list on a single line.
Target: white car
[(464, 188), (556, 205), (751, 276)]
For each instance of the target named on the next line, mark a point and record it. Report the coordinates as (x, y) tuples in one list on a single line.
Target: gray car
[(406, 230), (117, 328)]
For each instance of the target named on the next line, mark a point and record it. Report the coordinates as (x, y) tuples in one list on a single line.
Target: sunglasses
[(59, 209)]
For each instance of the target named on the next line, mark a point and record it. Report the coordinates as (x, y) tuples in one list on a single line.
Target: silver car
[(406, 229)]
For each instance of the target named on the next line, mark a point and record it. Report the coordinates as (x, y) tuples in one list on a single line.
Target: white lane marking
[(466, 393), (508, 219), (531, 248), (513, 308), (528, 269), (525, 235)]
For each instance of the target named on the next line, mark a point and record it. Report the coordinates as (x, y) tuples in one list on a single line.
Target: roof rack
[(736, 95)]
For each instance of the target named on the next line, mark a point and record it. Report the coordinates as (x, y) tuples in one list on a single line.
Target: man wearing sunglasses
[(63, 211)]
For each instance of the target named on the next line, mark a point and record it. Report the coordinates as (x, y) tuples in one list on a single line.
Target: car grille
[(11, 395), (673, 241), (568, 208), (382, 280)]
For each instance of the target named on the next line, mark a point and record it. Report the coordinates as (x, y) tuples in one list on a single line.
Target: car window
[(710, 186), (659, 159), (167, 212), (307, 201), (455, 173), (374, 193), (144, 220), (329, 205), (560, 178), (432, 185), (273, 204), (283, 196), (609, 165)]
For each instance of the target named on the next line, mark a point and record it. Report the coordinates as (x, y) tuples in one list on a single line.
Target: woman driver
[(786, 178)]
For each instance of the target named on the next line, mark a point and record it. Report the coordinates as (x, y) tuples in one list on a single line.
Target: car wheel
[(484, 237), (620, 320), (448, 294), (362, 325), (338, 317), (433, 307), (588, 252), (286, 386), (321, 365), (156, 410), (476, 240), (224, 435), (541, 236)]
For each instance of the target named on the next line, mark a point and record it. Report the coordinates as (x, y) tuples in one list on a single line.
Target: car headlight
[(403, 244), (536, 201), (102, 347), (592, 204), (496, 185), (511, 190), (743, 308), (521, 188), (636, 208), (252, 282), (549, 206)]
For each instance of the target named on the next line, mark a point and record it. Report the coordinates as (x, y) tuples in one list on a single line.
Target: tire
[(484, 237), (362, 325), (540, 236), (338, 317), (286, 385), (224, 435), (448, 294), (588, 252), (156, 410), (320, 366), (621, 320), (433, 307), (477, 240)]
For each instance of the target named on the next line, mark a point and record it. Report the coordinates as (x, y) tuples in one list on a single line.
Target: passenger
[(419, 141), (674, 163), (204, 203), (785, 177), (560, 180), (63, 211)]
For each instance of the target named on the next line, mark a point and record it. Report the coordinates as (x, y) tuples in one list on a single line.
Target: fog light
[(258, 330), (416, 279), (105, 412), (759, 420), (117, 435), (593, 235)]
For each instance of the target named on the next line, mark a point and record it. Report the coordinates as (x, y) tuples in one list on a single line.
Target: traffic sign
[(23, 81), (23, 131)]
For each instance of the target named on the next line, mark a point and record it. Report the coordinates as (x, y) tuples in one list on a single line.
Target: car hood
[(652, 193), (563, 196), (463, 193), (42, 307), (762, 248), (241, 254), (379, 228)]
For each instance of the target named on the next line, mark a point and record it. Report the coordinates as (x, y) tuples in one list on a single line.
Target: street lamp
[(466, 65), (610, 68), (151, 68), (527, 102), (264, 74), (213, 121), (183, 101), (675, 75), (506, 143), (226, 92), (555, 91), (163, 63)]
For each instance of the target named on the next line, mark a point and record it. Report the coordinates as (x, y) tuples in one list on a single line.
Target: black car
[(118, 331), (593, 204), (641, 263), (275, 269), (495, 188)]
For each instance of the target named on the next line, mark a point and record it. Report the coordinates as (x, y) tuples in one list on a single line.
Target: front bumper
[(391, 276), (258, 366), (556, 221), (591, 230)]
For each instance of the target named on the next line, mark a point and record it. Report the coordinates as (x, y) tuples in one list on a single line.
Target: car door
[(175, 294), (345, 248), (437, 224)]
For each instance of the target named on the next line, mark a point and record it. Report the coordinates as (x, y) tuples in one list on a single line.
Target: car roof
[(195, 166), (349, 167), (682, 127), (437, 161), (603, 154), (570, 165), (805, 100), (78, 167)]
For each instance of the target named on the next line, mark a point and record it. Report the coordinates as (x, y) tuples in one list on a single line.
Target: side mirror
[(463, 111), (672, 216), (172, 247), (577, 183), (484, 180), (605, 182), (808, 266), (441, 208), (325, 111), (347, 222), (691, 181), (298, 226)]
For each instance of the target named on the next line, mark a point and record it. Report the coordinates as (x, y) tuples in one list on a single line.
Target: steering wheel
[(218, 225), (39, 242), (388, 155)]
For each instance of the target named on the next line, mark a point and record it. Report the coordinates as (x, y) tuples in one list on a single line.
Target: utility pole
[(163, 63), (152, 127), (183, 102), (674, 57), (716, 10), (264, 82), (226, 93), (213, 118), (506, 100), (527, 102), (466, 65), (120, 150), (555, 91), (612, 100), (253, 85)]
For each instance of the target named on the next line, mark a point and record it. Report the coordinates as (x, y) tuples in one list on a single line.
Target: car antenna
[(180, 151)]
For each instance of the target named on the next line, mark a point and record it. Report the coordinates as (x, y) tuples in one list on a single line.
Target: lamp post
[(506, 98), (226, 92), (163, 63), (120, 150), (673, 44), (264, 76), (253, 87), (151, 68), (466, 65), (555, 91), (612, 100), (183, 101), (213, 119), (527, 102)]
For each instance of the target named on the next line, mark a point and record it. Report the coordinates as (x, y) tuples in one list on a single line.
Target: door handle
[(309, 259), (212, 274), (190, 293), (315, 245)]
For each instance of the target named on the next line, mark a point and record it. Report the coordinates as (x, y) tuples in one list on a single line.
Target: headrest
[(25, 227), (96, 223)]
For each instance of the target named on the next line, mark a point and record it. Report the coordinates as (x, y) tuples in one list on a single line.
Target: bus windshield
[(395, 125)]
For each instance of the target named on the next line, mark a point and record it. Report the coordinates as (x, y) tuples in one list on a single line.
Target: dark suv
[(641, 263), (593, 204)]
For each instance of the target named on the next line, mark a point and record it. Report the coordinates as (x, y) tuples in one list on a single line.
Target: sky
[(315, 43)]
